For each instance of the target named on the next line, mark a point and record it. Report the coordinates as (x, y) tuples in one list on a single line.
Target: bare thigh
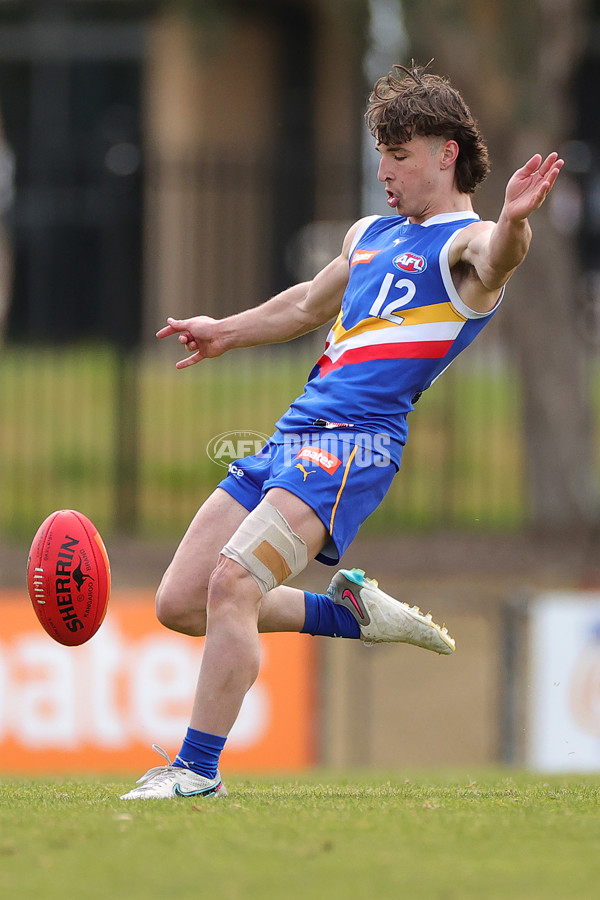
[(182, 594)]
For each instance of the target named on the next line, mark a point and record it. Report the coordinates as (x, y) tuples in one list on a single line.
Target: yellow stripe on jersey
[(436, 312)]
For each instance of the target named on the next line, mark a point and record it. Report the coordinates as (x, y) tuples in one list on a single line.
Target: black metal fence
[(114, 430), (126, 438)]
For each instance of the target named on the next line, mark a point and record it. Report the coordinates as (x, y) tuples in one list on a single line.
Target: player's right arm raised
[(293, 312)]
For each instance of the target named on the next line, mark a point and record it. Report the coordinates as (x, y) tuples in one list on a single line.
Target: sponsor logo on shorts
[(410, 262), (331, 449), (230, 446), (363, 256), (327, 461), (305, 472)]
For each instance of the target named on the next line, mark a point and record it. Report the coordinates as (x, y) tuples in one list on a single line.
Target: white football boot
[(168, 782), (382, 618)]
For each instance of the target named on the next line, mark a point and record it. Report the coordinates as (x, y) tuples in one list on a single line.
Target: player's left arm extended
[(495, 250)]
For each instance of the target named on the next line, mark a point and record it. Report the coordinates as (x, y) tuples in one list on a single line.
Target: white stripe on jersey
[(396, 334)]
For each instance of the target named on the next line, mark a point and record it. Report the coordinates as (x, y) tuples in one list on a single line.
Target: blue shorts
[(342, 487)]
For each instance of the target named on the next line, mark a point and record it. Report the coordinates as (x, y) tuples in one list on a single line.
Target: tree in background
[(515, 62), (7, 166)]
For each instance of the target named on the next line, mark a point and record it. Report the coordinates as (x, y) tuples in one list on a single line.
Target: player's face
[(412, 176)]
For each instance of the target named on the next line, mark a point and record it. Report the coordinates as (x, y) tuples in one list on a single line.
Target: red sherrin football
[(68, 577)]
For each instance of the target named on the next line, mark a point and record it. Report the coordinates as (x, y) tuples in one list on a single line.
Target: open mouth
[(392, 200)]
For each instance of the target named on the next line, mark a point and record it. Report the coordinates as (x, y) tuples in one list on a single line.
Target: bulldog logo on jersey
[(410, 262)]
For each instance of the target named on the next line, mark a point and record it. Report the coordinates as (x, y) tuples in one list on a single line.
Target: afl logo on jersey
[(410, 262)]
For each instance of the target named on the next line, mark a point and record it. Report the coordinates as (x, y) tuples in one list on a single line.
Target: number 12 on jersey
[(387, 310)]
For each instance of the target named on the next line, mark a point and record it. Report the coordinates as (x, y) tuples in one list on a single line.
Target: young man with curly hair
[(408, 292)]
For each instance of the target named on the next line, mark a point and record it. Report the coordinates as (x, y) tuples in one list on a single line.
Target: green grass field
[(416, 836)]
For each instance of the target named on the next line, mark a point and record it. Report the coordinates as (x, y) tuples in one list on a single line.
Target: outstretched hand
[(198, 335), (530, 185)]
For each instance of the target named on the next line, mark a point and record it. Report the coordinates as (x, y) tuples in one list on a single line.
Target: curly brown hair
[(408, 102)]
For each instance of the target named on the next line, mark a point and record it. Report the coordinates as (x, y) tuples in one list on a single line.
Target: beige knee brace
[(267, 548)]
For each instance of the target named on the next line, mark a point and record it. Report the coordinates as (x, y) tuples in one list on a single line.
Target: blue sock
[(325, 617), (200, 752)]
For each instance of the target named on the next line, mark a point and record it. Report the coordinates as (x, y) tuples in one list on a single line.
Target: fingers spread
[(532, 164), (547, 164)]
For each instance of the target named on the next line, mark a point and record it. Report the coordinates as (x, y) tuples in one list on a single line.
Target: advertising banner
[(564, 689), (99, 707)]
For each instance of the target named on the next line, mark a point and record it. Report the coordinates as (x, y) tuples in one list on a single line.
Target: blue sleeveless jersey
[(401, 324)]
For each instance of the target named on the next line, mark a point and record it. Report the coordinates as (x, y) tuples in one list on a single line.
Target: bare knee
[(182, 607), (232, 591)]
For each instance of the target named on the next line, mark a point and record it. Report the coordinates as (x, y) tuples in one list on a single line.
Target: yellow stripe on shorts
[(342, 486)]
